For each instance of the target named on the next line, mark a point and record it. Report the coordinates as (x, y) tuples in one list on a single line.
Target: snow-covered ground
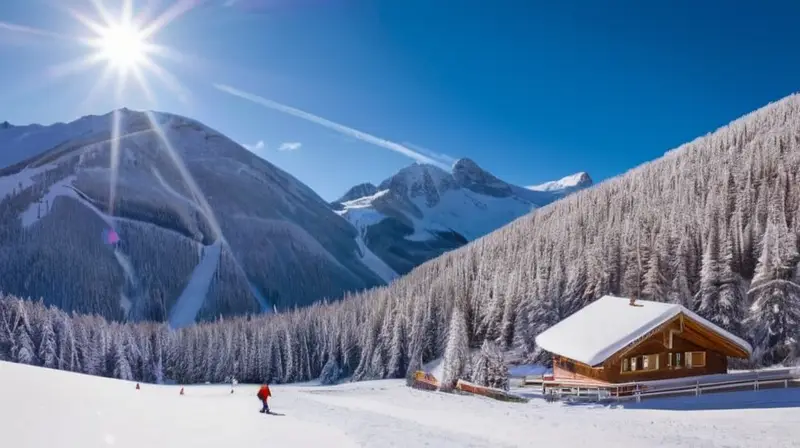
[(43, 408)]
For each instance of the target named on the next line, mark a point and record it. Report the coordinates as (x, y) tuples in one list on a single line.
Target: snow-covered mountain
[(359, 191), (565, 185), (423, 211), (206, 227)]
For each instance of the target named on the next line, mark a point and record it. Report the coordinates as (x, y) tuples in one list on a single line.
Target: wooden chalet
[(618, 340)]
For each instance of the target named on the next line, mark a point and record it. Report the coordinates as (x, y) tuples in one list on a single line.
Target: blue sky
[(531, 90)]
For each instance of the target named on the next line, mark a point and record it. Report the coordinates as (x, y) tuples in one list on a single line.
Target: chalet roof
[(599, 330)]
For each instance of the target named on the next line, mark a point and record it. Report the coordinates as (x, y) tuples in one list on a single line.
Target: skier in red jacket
[(263, 394)]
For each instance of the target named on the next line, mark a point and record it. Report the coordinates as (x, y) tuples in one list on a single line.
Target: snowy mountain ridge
[(572, 181), (423, 211), (206, 227)]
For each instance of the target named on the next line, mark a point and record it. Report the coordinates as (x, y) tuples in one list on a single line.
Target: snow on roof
[(609, 324)]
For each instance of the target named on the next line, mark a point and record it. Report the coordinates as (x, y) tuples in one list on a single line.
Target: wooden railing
[(756, 380)]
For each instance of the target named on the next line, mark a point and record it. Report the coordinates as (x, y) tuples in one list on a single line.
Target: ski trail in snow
[(125, 302), (184, 313)]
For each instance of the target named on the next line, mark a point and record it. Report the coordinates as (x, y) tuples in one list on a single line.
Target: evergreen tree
[(47, 354), (489, 368), (774, 319), (708, 296), (23, 350), (456, 355)]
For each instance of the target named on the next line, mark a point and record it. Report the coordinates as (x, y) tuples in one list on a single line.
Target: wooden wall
[(715, 362), (687, 337)]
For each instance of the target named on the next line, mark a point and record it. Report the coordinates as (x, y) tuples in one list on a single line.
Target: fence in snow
[(637, 391)]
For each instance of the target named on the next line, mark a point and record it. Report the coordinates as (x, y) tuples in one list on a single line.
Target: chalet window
[(678, 362), (695, 359), (650, 362), (640, 363)]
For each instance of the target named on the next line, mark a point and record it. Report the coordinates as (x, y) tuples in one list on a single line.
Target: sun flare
[(123, 46), (122, 43)]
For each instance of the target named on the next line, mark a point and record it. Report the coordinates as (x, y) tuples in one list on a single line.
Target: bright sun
[(123, 42), (123, 46)]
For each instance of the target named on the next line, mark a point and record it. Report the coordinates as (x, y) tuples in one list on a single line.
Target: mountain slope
[(423, 211), (265, 240)]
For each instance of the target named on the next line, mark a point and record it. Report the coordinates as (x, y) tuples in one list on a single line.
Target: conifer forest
[(712, 225)]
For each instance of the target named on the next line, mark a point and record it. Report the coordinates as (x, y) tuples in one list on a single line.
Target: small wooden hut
[(619, 340)]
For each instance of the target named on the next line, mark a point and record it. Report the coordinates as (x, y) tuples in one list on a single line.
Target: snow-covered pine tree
[(456, 354), (398, 357), (774, 318), (489, 368), (655, 281), (680, 291), (23, 350), (732, 293), (289, 357), (708, 295), (510, 306), (121, 368), (67, 349)]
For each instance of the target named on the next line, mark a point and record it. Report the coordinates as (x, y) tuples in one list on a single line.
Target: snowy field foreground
[(42, 408)]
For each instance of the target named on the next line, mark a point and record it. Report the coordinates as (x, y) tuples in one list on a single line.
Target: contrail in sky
[(33, 31), (348, 131)]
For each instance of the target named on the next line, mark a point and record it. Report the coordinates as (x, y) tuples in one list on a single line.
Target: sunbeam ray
[(187, 178), (170, 81), (144, 85), (87, 22), (101, 83), (173, 12), (102, 11), (74, 66), (114, 161)]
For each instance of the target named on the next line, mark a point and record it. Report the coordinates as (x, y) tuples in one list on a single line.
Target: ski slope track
[(42, 408), (184, 313)]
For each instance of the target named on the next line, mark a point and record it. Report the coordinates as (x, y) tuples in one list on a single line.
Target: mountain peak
[(469, 175), (572, 182), (465, 163), (359, 191)]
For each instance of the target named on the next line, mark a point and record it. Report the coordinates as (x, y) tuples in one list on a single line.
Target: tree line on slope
[(713, 226)]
